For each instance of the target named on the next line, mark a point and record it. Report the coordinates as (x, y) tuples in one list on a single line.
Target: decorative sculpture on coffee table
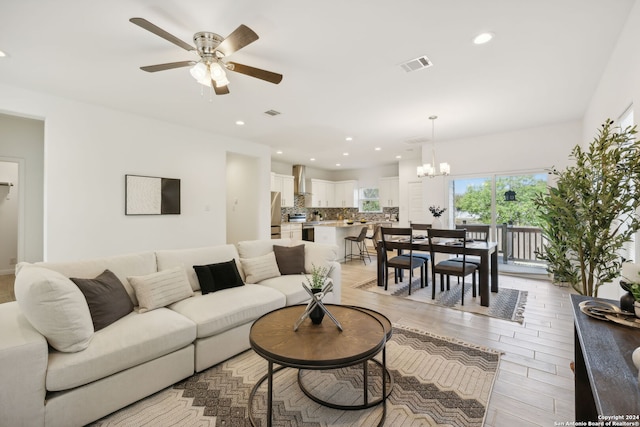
[(320, 285)]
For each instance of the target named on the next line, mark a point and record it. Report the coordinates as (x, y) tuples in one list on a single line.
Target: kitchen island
[(333, 233)]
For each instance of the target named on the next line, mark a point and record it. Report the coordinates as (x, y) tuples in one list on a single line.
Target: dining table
[(487, 251)]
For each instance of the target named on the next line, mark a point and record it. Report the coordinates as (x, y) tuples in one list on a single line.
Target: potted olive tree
[(592, 211)]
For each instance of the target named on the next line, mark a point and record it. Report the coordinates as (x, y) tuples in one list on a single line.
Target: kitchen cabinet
[(346, 194), (389, 192), (291, 230), (330, 194), (284, 185), (320, 191)]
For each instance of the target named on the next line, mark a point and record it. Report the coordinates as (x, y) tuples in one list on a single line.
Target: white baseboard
[(9, 271)]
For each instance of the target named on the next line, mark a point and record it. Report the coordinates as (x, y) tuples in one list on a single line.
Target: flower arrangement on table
[(436, 211), (319, 286), (318, 276)]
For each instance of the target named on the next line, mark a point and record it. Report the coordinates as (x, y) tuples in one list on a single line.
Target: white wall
[(88, 151), (618, 88), (22, 142)]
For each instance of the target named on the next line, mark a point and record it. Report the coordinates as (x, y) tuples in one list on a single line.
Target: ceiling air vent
[(272, 112), (417, 140), (416, 64)]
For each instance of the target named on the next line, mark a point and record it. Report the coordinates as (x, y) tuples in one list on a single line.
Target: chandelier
[(429, 169)]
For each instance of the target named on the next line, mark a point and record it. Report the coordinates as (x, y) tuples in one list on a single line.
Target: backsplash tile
[(337, 213)]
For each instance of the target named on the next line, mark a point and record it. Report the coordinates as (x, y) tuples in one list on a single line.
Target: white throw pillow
[(56, 307), (260, 268), (161, 289)]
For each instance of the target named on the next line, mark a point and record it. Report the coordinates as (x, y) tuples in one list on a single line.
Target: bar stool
[(362, 247)]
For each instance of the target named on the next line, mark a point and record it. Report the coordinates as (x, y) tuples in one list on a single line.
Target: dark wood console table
[(606, 380)]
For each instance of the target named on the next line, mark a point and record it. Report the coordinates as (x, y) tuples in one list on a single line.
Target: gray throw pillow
[(290, 259), (107, 298)]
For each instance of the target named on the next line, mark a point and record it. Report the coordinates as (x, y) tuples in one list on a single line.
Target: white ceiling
[(340, 60)]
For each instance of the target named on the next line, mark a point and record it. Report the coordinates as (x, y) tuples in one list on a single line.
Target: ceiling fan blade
[(220, 90), (240, 37), (168, 66), (141, 22), (265, 75)]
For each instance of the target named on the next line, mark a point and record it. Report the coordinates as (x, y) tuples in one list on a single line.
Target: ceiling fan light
[(218, 74), (198, 71)]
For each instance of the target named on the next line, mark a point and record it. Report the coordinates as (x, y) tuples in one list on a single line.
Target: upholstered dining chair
[(450, 267), (362, 247), (400, 239)]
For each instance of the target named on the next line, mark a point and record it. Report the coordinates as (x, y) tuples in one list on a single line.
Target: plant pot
[(317, 314), (636, 307)]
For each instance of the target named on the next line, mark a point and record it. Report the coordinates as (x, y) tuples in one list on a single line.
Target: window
[(369, 200)]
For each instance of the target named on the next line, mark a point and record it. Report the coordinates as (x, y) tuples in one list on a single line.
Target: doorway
[(9, 216)]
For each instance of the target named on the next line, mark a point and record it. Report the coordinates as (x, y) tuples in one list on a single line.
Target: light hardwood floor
[(534, 385)]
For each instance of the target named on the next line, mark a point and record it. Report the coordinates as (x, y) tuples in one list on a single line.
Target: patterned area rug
[(507, 304), (437, 382)]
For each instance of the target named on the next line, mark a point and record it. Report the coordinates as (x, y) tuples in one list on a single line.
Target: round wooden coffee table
[(314, 347)]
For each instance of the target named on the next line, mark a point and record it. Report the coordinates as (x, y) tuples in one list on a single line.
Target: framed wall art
[(149, 195)]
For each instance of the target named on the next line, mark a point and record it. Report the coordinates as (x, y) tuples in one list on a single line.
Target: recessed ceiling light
[(345, 154), (378, 148), (483, 38), (313, 159), (2, 54), (398, 157), (239, 122), (348, 138), (337, 164), (279, 152)]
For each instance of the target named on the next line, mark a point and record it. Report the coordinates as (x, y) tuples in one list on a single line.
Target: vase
[(436, 224), (317, 314), (626, 300)]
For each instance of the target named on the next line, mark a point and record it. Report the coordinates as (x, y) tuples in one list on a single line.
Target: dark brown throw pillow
[(107, 298), (290, 259), (215, 277)]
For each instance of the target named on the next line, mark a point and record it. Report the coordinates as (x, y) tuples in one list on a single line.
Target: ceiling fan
[(212, 48)]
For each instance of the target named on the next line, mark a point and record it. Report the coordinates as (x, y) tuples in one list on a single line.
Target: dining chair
[(477, 233), (400, 240), (448, 268), (420, 231), (359, 241)]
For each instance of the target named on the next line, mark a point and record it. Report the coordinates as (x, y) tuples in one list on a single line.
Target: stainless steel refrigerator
[(276, 215)]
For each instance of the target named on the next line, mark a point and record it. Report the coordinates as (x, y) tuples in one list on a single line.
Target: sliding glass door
[(506, 203)]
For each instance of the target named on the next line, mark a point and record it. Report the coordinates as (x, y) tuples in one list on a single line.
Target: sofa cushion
[(291, 286), (255, 248), (187, 258), (161, 289), (223, 310), (106, 297), (137, 264), (319, 254), (215, 277), (128, 342), (55, 306), (290, 259), (260, 268)]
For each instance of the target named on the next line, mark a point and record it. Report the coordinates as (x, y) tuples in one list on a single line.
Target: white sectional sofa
[(55, 370)]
